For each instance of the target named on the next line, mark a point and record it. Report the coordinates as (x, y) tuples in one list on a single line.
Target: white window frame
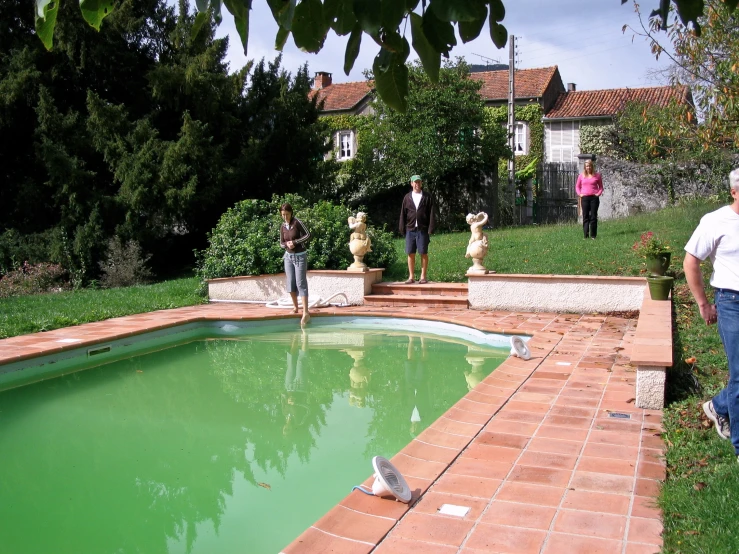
[(345, 145), (521, 138)]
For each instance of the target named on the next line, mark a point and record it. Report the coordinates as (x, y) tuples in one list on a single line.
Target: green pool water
[(233, 443)]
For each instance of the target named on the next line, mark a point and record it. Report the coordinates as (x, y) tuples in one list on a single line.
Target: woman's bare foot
[(295, 310), (305, 319)]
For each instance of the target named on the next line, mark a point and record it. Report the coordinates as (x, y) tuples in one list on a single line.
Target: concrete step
[(423, 300), (438, 289)]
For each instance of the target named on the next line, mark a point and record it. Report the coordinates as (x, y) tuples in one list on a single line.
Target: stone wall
[(632, 188)]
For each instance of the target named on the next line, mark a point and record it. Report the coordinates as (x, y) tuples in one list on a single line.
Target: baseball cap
[(415, 178)]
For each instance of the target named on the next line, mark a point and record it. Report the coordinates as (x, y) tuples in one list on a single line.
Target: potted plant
[(656, 251)]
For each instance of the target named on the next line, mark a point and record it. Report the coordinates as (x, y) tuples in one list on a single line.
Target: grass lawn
[(699, 497), (558, 249), (20, 315)]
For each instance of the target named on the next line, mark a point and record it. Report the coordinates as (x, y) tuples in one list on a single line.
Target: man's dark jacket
[(424, 215)]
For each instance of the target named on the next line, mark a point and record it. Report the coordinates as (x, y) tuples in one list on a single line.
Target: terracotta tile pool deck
[(550, 455)]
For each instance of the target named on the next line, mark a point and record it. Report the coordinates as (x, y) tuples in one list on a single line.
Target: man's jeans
[(726, 403)]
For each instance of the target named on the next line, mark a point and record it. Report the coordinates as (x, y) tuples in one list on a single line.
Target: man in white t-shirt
[(717, 238), (417, 222)]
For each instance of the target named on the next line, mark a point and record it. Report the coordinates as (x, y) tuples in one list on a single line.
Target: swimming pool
[(217, 438)]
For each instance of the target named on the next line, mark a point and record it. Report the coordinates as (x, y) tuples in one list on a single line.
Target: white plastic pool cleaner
[(388, 481), (519, 348)]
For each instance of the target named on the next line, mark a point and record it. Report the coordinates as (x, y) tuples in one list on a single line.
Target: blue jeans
[(726, 403), (296, 268)]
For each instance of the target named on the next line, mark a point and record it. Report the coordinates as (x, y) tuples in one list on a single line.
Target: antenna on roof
[(488, 61)]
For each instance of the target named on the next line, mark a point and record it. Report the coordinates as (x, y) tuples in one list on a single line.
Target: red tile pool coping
[(550, 455)]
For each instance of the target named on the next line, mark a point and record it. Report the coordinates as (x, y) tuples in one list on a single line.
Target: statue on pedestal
[(359, 242), (477, 248)]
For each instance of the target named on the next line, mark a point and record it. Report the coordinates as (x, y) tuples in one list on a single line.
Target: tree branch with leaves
[(434, 26)]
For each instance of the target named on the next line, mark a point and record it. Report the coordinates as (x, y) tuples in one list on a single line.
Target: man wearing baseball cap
[(417, 222)]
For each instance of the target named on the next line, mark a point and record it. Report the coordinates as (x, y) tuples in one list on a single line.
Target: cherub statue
[(358, 225), (477, 247), (359, 242)]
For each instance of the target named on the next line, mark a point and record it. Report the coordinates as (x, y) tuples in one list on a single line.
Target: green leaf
[(392, 83), (352, 48), (201, 18), (392, 13), (391, 40), (689, 10), (470, 30), (283, 11), (440, 34), (458, 10), (340, 15), (430, 58), (499, 34), (497, 10), (240, 10), (46, 11), (216, 4), (369, 15), (662, 12), (383, 60), (202, 5), (410, 5), (281, 38), (94, 11), (309, 27)]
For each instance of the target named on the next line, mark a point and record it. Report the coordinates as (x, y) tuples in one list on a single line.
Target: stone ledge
[(555, 293), (353, 285), (652, 352)]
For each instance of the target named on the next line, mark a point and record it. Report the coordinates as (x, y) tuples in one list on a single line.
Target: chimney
[(570, 87), (322, 80)]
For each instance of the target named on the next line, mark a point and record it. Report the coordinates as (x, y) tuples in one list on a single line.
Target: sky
[(583, 37)]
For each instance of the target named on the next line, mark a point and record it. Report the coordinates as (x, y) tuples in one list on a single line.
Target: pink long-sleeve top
[(589, 186)]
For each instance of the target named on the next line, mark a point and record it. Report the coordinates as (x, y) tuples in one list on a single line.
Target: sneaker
[(721, 423)]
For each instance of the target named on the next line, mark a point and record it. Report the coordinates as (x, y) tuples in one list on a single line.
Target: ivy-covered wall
[(345, 122), (531, 114)]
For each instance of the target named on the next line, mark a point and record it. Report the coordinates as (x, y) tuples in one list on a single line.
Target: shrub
[(124, 265), (598, 139), (16, 248), (246, 239), (33, 279)]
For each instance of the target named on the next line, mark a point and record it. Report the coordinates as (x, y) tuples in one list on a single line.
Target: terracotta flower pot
[(660, 286), (659, 263)]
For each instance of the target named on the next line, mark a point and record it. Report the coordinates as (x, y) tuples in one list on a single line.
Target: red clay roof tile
[(593, 103), (529, 83), (343, 96)]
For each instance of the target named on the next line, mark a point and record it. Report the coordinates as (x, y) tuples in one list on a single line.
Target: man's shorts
[(417, 241)]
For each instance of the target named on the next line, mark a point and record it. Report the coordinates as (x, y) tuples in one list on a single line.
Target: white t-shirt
[(416, 200), (717, 238)]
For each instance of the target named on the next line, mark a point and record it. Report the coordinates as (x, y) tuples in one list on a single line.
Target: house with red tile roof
[(565, 109), (574, 109), (542, 85)]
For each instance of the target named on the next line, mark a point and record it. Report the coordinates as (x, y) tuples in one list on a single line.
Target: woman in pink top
[(589, 187)]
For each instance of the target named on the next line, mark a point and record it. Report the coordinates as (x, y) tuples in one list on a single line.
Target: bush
[(246, 239), (16, 248), (33, 279), (124, 265)]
